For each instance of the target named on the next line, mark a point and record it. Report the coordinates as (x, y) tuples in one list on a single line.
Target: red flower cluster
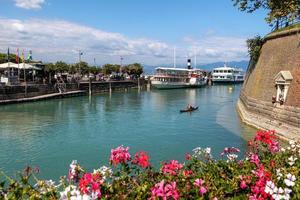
[(164, 191), (90, 184), (172, 167), (119, 155), (187, 173), (269, 138), (258, 189), (141, 159)]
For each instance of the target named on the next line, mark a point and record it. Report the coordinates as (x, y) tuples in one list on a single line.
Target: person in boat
[(189, 107)]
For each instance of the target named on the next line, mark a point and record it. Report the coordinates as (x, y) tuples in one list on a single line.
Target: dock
[(44, 97)]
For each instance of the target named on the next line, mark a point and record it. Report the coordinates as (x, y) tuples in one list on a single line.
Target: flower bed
[(267, 171)]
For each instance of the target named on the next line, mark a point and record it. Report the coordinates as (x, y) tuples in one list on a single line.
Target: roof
[(17, 66), (177, 69), (284, 76)]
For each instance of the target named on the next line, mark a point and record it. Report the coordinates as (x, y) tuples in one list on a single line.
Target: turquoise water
[(50, 134)]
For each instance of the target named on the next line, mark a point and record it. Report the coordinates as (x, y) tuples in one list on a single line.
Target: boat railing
[(171, 76)]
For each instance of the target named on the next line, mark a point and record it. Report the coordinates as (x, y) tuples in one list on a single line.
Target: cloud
[(57, 39), (52, 40), (217, 48), (29, 4)]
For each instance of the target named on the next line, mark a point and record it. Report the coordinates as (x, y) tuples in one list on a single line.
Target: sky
[(140, 31)]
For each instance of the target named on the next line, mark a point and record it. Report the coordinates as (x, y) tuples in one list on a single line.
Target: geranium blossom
[(90, 184), (172, 167), (141, 159), (120, 155), (164, 191), (200, 184)]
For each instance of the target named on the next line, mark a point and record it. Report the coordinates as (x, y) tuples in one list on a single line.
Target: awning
[(21, 66)]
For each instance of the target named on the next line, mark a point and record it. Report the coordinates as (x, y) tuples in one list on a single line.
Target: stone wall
[(280, 52)]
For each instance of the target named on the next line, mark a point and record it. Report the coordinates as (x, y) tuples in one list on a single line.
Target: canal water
[(50, 134)]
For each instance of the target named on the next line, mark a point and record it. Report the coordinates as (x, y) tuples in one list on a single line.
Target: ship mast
[(174, 57)]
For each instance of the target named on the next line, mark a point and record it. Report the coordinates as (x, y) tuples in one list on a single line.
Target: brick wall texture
[(278, 53)]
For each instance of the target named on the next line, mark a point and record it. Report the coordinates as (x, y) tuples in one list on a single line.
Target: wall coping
[(285, 33)]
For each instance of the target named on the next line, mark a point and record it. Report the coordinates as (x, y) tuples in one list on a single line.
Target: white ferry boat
[(227, 74), (167, 78)]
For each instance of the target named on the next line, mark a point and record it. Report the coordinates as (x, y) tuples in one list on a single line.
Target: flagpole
[(18, 65)]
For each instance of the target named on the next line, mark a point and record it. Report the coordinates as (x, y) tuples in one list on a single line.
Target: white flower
[(72, 191), (279, 174), (283, 149), (231, 157), (277, 195), (104, 171), (290, 180), (292, 160), (269, 189), (207, 150)]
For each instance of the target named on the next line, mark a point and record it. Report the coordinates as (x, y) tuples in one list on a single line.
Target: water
[(50, 134)]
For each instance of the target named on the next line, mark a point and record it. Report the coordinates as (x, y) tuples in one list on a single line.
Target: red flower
[(119, 155), (172, 167), (90, 184), (187, 156), (187, 173), (141, 159)]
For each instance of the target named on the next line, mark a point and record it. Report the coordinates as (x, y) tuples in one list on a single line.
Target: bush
[(266, 172)]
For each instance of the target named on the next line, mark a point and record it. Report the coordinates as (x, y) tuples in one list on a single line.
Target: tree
[(279, 10), (110, 68), (133, 69), (61, 66), (254, 47)]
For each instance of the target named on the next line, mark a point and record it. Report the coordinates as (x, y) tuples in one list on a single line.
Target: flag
[(22, 56), (17, 56), (29, 55), (8, 54)]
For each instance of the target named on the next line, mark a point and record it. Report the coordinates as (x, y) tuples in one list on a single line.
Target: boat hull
[(168, 85)]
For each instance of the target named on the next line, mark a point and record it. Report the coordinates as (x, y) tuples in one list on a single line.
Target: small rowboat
[(189, 110)]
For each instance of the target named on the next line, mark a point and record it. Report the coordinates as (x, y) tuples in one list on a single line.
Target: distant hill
[(149, 69)]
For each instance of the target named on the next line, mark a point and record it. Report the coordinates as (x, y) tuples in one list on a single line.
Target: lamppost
[(121, 62)]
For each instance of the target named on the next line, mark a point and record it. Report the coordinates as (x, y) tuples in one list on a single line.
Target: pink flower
[(200, 184), (243, 185), (202, 190), (274, 147), (141, 159), (164, 191), (119, 155), (172, 167), (254, 159), (187, 156)]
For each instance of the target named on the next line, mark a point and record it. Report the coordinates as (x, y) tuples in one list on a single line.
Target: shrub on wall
[(254, 46)]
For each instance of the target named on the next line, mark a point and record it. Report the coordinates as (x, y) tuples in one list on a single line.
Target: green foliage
[(133, 69), (278, 10), (108, 69), (254, 47)]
